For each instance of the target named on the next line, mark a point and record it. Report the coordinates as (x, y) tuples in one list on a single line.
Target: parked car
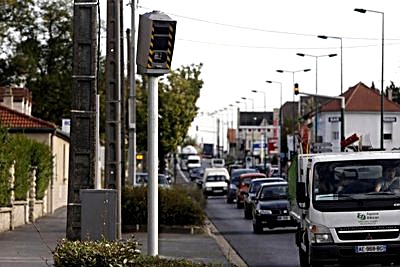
[(196, 173), (234, 183), (232, 167), (217, 163), (215, 183), (253, 187), (244, 182), (193, 161), (270, 207), (142, 179)]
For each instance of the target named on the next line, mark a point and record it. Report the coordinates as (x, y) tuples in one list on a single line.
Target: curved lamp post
[(316, 87), (383, 43), (280, 125)]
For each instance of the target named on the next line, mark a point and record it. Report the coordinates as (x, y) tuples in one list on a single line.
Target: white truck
[(341, 216)]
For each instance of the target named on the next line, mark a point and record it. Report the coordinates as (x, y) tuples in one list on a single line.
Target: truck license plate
[(370, 248), (283, 218), (218, 191)]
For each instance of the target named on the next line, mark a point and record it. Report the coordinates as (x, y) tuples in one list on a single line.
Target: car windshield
[(274, 192), (361, 180), (215, 178), (256, 184)]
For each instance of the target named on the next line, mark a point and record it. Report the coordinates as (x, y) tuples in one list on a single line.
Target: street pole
[(316, 89), (294, 108), (280, 131), (382, 76), (152, 188), (132, 102)]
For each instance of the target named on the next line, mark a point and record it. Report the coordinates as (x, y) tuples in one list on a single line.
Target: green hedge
[(177, 206), (110, 253), (26, 153)]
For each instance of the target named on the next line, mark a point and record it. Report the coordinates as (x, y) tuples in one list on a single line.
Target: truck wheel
[(305, 260)]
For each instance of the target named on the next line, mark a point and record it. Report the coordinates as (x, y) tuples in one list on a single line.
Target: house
[(15, 109), (257, 134), (362, 116)]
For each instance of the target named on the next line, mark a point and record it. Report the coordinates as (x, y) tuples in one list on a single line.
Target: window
[(387, 130)]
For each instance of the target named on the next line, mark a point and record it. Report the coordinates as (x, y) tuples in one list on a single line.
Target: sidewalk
[(26, 247), (30, 245)]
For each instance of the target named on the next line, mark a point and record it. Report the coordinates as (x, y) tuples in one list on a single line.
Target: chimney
[(8, 99), (390, 93)]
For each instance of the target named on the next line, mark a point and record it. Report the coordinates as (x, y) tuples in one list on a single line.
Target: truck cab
[(341, 216)]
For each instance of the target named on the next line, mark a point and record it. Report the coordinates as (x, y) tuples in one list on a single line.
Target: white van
[(217, 163), (193, 161), (215, 182)]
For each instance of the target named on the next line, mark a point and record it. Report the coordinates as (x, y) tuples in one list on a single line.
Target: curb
[(229, 253), (175, 229)]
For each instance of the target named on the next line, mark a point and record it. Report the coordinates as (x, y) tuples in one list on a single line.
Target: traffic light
[(296, 89), (156, 39)]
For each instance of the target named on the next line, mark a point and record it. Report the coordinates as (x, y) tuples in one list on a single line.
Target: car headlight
[(208, 188), (320, 234), (225, 188), (264, 212)]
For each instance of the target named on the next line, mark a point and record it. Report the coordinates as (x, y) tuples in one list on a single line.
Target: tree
[(177, 108), (39, 53)]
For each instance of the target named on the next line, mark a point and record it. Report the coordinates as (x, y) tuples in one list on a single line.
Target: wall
[(366, 124)]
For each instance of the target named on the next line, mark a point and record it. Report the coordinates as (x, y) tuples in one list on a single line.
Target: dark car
[(270, 207), (196, 173), (243, 187), (253, 187), (234, 182)]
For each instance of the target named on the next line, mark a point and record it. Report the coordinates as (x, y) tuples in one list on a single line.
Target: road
[(272, 248)]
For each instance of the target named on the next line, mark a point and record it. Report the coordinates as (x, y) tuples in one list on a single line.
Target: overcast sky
[(243, 43)]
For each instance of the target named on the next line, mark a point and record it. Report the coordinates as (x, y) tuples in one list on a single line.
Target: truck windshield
[(360, 180)]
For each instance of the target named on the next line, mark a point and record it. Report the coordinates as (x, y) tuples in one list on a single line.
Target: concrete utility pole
[(113, 106), (122, 89), (82, 161), (132, 101)]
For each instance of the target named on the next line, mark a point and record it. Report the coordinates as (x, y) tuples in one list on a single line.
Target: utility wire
[(274, 47), (262, 30)]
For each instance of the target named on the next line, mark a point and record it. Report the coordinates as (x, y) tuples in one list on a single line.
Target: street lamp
[(316, 87), (265, 98), (341, 57), (245, 104), (293, 110), (341, 81), (252, 101), (383, 43), (280, 125)]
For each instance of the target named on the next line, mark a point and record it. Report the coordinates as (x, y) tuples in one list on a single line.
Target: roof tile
[(13, 119)]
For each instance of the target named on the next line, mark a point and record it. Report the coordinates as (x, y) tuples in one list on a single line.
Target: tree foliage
[(37, 44), (177, 108), (36, 48)]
